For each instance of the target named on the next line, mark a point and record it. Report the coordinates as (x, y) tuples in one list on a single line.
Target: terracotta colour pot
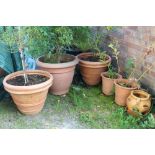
[(138, 101), (62, 73), (91, 71), (121, 92), (108, 83), (29, 99)]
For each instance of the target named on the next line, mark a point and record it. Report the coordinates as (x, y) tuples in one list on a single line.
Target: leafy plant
[(115, 52), (52, 41), (15, 39), (149, 122), (9, 36), (95, 40), (111, 72), (81, 35), (133, 63)]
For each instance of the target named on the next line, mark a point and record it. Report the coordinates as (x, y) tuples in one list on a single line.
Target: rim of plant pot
[(147, 96), (103, 74), (86, 54), (134, 84), (58, 65), (36, 87)]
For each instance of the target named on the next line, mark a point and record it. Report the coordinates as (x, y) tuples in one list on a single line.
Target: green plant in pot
[(28, 88), (124, 86), (93, 63), (54, 59), (80, 38), (112, 73)]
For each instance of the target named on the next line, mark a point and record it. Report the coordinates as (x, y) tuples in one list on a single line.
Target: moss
[(82, 107)]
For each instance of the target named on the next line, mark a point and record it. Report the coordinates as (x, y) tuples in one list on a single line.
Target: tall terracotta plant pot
[(108, 83), (138, 102), (29, 99), (91, 71), (62, 73), (122, 92)]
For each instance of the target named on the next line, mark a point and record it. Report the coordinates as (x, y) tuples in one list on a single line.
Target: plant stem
[(134, 69), (144, 72), (23, 65), (22, 57), (118, 65)]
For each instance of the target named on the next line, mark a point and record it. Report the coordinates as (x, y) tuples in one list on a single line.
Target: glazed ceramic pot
[(29, 99), (108, 83), (122, 92), (62, 73), (138, 101), (91, 71)]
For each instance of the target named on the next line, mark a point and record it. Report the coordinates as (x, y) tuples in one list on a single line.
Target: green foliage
[(127, 121), (111, 72), (52, 40), (124, 120), (109, 28), (39, 39), (115, 52), (81, 35), (9, 36), (129, 66), (96, 40)]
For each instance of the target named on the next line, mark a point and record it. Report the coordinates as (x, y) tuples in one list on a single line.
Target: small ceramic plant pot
[(108, 83), (91, 71), (138, 102), (122, 92), (62, 73), (29, 99)]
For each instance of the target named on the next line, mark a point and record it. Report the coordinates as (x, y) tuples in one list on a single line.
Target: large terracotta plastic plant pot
[(29, 99), (91, 71), (122, 92), (62, 73), (138, 102), (108, 83)]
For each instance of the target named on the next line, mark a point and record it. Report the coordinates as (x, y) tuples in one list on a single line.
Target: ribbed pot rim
[(118, 80), (105, 73), (140, 92), (31, 87), (90, 62), (58, 65)]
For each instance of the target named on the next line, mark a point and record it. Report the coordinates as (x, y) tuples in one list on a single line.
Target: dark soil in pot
[(33, 79), (57, 58), (128, 85), (73, 50), (92, 59), (111, 77)]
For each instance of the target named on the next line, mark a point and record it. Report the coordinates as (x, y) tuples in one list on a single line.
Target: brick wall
[(134, 41)]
